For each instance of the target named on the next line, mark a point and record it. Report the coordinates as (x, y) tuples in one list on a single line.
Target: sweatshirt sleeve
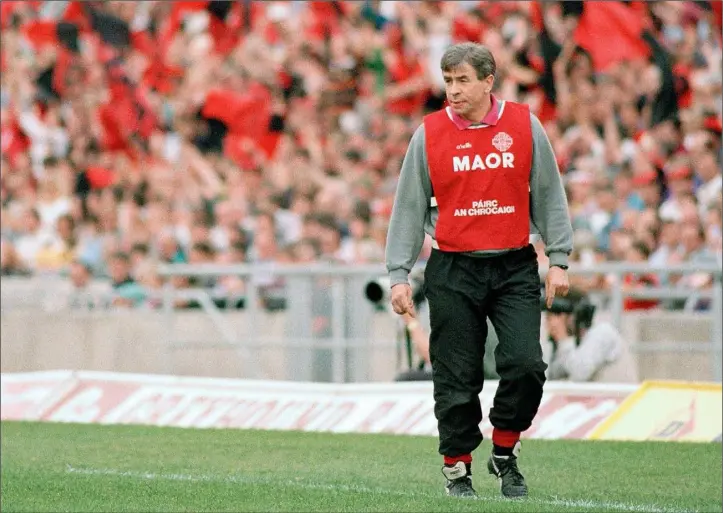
[(406, 226), (599, 347), (548, 201)]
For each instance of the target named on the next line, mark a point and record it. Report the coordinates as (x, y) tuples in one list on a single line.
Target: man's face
[(31, 222), (680, 186), (623, 186), (465, 91), (199, 256), (650, 194), (79, 275), (690, 237), (119, 270), (707, 166), (607, 200), (168, 247), (305, 253)]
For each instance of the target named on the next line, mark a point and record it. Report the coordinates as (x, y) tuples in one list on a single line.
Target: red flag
[(220, 105), (536, 16), (189, 6), (7, 9), (269, 142), (74, 13), (12, 139), (41, 33), (161, 77), (611, 33), (717, 7), (247, 116), (252, 112), (60, 73), (142, 41), (111, 120), (243, 113)]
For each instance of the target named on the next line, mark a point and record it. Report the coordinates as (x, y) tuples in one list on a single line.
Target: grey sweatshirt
[(412, 214)]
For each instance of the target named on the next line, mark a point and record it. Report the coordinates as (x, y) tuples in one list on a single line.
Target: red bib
[(481, 180)]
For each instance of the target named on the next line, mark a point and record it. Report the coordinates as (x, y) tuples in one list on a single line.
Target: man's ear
[(490, 82)]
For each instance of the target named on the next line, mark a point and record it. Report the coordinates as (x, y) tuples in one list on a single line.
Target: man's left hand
[(556, 283)]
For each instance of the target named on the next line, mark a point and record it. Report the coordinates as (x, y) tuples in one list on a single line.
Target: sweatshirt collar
[(491, 118)]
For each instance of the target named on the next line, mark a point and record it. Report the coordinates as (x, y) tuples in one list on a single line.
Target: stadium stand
[(135, 133)]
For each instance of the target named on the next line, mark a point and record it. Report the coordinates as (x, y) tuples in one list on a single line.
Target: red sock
[(504, 438), (464, 458)]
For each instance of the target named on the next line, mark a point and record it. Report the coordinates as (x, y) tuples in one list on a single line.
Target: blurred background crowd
[(135, 133)]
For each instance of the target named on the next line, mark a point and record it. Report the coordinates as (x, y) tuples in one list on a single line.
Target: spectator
[(714, 235), (35, 241), (708, 171), (126, 292), (230, 291), (639, 253), (692, 250), (57, 257), (581, 350), (10, 264), (82, 292), (680, 185), (202, 253)]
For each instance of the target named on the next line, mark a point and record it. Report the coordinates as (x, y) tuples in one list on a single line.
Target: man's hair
[(476, 55), (204, 247), (121, 256), (642, 248), (140, 247)]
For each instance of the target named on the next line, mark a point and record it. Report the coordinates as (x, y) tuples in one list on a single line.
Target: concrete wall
[(657, 329), (137, 342)]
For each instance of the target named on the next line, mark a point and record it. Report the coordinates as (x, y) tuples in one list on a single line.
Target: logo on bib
[(502, 141)]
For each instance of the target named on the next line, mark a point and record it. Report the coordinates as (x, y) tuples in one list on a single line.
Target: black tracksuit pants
[(462, 292)]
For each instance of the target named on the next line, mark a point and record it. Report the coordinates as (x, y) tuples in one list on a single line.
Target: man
[(419, 338), (582, 351), (80, 291), (126, 292), (477, 176)]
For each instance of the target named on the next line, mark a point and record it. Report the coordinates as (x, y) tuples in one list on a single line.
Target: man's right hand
[(402, 299)]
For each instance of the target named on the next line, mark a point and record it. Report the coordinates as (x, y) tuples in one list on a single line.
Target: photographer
[(416, 330), (582, 351), (419, 338)]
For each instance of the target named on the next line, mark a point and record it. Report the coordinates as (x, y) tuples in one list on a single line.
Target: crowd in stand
[(135, 133)]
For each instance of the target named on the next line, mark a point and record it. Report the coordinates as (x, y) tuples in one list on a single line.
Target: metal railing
[(350, 312)]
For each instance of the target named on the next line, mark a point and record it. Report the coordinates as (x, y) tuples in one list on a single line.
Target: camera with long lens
[(576, 304), (378, 291)]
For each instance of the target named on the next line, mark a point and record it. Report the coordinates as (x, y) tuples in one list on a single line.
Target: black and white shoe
[(459, 483), (512, 483)]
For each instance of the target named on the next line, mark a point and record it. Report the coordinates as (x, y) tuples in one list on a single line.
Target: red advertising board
[(24, 396), (567, 410)]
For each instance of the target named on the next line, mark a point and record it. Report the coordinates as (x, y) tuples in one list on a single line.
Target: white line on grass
[(244, 479)]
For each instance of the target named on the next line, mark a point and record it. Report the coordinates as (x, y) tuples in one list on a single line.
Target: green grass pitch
[(70, 467)]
